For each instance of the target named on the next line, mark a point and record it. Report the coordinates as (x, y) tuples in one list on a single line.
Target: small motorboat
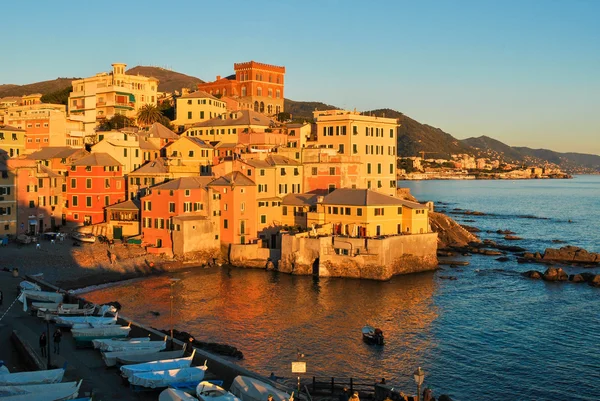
[(128, 371), (52, 306), (162, 378), (82, 237), (85, 321), (28, 285), (43, 296), (132, 357), (372, 335), (41, 392), (207, 391), (171, 394), (114, 345), (84, 337), (249, 389)]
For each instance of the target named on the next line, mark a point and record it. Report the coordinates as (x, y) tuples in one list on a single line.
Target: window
[(106, 200), (368, 168), (262, 173), (14, 137), (73, 183), (392, 184), (284, 211), (88, 201), (391, 168), (263, 219), (354, 149), (331, 170), (341, 148), (148, 206), (88, 183), (335, 210), (189, 115), (378, 168), (187, 207), (331, 188), (399, 209), (296, 172), (359, 211), (75, 201), (314, 171), (171, 207), (348, 212), (282, 171), (243, 206), (225, 223), (187, 192), (31, 204), (191, 153), (125, 152), (379, 211), (391, 132)]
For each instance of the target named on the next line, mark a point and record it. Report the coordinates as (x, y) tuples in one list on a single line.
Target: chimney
[(218, 77)]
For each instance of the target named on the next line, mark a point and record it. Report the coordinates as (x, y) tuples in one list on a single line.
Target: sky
[(524, 72)]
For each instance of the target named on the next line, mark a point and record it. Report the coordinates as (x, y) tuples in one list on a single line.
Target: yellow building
[(34, 98), (107, 94), (356, 213), (12, 141), (192, 152), (195, 107), (371, 138), (8, 201), (156, 172), (44, 123), (132, 150), (227, 127)]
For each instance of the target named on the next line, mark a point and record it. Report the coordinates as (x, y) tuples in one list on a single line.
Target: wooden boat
[(85, 321), (128, 371), (36, 377), (115, 345), (372, 335), (162, 378), (62, 312), (52, 306), (82, 237), (40, 392), (84, 337), (171, 394), (207, 391), (133, 357), (250, 389)]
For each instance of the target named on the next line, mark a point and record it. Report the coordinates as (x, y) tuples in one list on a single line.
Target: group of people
[(57, 336), (346, 396)]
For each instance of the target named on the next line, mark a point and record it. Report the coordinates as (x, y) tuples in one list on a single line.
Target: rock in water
[(576, 278), (449, 231), (555, 274), (534, 274)]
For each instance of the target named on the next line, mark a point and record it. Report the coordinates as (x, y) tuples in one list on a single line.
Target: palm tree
[(148, 114)]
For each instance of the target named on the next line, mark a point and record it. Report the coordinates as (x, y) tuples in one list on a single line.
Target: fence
[(332, 386)]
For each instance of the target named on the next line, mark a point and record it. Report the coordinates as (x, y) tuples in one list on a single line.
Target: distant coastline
[(455, 176)]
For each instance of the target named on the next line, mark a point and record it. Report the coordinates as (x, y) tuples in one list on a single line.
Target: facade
[(45, 124), (12, 141), (8, 200), (196, 107), (93, 183), (108, 94), (192, 152), (256, 86), (228, 128), (156, 172), (129, 149), (326, 170), (59, 158), (123, 219), (373, 139), (238, 213)]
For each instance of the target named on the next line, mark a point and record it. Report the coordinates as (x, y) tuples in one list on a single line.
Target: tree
[(58, 97), (116, 122), (148, 114)]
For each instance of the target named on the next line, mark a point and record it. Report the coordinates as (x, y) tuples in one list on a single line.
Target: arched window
[(259, 91), (224, 92), (269, 109), (277, 109), (277, 93), (262, 107), (255, 106), (270, 92), (243, 91)]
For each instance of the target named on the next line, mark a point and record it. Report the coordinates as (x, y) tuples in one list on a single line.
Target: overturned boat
[(128, 371), (113, 345), (85, 321), (250, 389), (133, 357), (163, 378), (40, 392), (36, 377), (207, 391)]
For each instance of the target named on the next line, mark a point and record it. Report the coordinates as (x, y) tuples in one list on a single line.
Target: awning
[(131, 97), (32, 222)]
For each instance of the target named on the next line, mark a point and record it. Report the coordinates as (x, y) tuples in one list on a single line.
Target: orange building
[(58, 158), (93, 182), (238, 207), (326, 170), (45, 124), (256, 86)]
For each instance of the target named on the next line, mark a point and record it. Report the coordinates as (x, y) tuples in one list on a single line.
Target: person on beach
[(57, 337), (43, 343), (344, 396)]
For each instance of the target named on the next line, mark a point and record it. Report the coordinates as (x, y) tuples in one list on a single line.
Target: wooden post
[(332, 385), (351, 386)]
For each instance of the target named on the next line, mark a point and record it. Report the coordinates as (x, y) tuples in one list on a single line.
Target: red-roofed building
[(93, 182)]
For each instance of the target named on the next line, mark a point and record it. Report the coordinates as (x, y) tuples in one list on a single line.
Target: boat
[(36, 377), (372, 335), (128, 371), (82, 237), (89, 321), (162, 378), (249, 389), (60, 311), (115, 345), (100, 343), (28, 285), (133, 357), (52, 306), (43, 296), (207, 391), (40, 392), (85, 336), (171, 394)]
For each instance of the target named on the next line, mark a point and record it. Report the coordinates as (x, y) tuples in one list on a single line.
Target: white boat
[(207, 391), (69, 321), (250, 389), (36, 377), (165, 364), (62, 312), (163, 378), (90, 334), (101, 342), (44, 296), (114, 346), (141, 356), (50, 392), (28, 285), (90, 238), (52, 306), (171, 394), (3, 370)]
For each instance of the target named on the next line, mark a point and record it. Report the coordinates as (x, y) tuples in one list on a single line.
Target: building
[(107, 94), (228, 128), (237, 194), (298, 135), (371, 138), (160, 135), (8, 200), (195, 107), (12, 141), (326, 170), (123, 219), (93, 183), (132, 150), (34, 98), (192, 152), (182, 197), (45, 124), (156, 172), (59, 158), (256, 86)]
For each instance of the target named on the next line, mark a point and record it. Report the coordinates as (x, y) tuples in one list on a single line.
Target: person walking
[(344, 396), (43, 343), (57, 337)]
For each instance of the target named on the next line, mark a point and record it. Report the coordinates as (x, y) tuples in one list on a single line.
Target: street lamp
[(48, 318), (299, 367), (419, 376), (173, 282)]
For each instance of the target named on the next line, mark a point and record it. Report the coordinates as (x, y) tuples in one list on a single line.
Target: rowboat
[(69, 321), (133, 357), (62, 312), (128, 371), (115, 345), (43, 296), (90, 238), (207, 391), (162, 378), (171, 394), (52, 306), (250, 389), (36, 377), (103, 343), (371, 335), (40, 392), (84, 337), (29, 286)]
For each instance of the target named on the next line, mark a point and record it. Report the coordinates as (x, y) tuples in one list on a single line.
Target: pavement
[(104, 383)]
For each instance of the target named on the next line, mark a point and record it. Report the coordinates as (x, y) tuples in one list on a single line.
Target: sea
[(480, 332)]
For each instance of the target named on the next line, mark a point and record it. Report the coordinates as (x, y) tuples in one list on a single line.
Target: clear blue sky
[(524, 72)]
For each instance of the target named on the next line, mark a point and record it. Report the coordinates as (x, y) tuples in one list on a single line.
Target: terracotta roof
[(190, 217), (156, 166), (127, 205), (241, 117), (365, 197), (55, 152), (11, 128), (233, 178), (49, 171), (300, 199), (198, 141), (185, 183), (97, 159), (272, 161), (199, 94), (218, 144), (157, 130)]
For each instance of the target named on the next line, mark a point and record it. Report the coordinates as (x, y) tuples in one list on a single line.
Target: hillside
[(169, 81), (43, 87), (486, 146), (300, 110)]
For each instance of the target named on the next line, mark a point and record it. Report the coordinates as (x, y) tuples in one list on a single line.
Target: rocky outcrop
[(554, 274), (450, 233), (565, 255)]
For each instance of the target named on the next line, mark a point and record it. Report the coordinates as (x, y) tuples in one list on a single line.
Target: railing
[(334, 386)]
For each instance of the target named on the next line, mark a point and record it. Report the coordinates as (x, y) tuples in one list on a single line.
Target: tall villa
[(256, 86), (106, 94)]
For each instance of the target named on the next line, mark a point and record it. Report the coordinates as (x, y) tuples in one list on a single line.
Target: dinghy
[(250, 389), (28, 285), (69, 321), (163, 378), (135, 357), (207, 391), (62, 312), (84, 337), (43, 296), (52, 306), (100, 343), (165, 364), (171, 394), (40, 392), (36, 377), (115, 345)]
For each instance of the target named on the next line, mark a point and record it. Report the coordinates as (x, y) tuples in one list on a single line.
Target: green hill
[(169, 81), (43, 87)]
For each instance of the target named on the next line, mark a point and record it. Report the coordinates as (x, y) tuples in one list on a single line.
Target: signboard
[(298, 367)]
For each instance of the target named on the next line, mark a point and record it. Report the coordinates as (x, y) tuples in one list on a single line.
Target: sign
[(298, 367)]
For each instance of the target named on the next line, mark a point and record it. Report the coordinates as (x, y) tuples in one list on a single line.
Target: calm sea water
[(488, 335)]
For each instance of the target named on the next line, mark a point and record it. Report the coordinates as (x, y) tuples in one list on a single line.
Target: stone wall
[(252, 255)]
